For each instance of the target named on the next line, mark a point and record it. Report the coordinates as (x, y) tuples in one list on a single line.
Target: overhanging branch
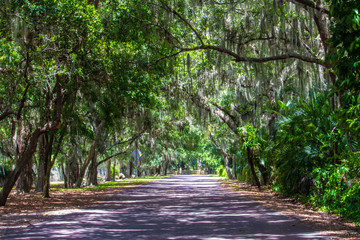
[(311, 4), (238, 58)]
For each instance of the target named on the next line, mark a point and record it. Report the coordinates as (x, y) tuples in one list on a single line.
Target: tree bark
[(264, 173), (108, 171), (93, 173), (250, 160), (90, 156), (114, 171), (41, 166), (166, 165), (26, 180), (50, 163), (66, 184), (234, 167), (158, 170)]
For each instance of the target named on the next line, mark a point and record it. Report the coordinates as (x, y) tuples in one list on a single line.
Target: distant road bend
[(180, 207)]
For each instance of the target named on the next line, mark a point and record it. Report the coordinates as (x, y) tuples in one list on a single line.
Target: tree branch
[(130, 141), (238, 58), (233, 118), (7, 113), (114, 155), (184, 20), (311, 4), (203, 103)]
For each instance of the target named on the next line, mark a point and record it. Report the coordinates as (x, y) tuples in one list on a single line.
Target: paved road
[(181, 207)]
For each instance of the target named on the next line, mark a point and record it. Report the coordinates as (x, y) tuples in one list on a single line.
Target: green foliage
[(221, 171), (345, 41), (306, 138), (117, 170), (335, 190)]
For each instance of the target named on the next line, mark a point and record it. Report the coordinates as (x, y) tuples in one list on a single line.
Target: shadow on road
[(181, 207)]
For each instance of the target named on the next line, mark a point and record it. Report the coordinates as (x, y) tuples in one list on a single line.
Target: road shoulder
[(329, 225)]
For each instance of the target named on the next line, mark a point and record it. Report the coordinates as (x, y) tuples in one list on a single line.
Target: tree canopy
[(261, 91)]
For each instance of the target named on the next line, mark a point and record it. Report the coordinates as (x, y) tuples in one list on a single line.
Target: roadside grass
[(106, 185), (109, 185)]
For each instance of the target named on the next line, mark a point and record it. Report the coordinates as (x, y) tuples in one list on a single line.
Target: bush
[(221, 171), (333, 192)]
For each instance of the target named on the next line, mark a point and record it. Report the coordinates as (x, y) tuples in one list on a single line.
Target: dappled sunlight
[(181, 207)]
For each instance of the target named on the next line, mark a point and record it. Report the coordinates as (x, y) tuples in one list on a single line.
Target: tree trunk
[(234, 167), (66, 184), (93, 173), (50, 163), (158, 170), (46, 142), (252, 167), (25, 159), (166, 165), (108, 171), (26, 180), (264, 173), (92, 155), (46, 189), (72, 171), (92, 152), (226, 163), (114, 171), (41, 166)]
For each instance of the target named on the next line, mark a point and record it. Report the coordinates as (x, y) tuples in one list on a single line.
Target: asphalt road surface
[(181, 207)]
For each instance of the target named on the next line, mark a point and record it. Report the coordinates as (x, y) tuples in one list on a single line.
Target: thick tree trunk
[(158, 170), (93, 173), (45, 154), (264, 173), (252, 167), (26, 180), (166, 165), (72, 171), (41, 166), (66, 184), (226, 163)]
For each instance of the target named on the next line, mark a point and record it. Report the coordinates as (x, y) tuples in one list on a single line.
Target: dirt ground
[(25, 209), (328, 224), (22, 210)]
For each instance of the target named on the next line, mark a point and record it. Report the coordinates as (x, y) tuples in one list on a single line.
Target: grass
[(113, 184), (107, 185)]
